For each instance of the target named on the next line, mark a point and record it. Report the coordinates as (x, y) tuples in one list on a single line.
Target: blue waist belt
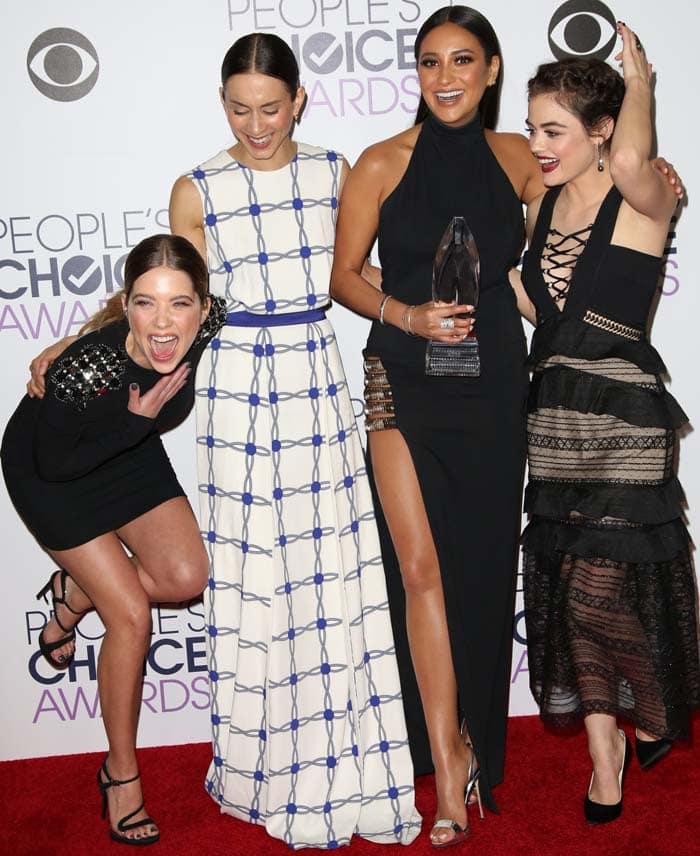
[(251, 319)]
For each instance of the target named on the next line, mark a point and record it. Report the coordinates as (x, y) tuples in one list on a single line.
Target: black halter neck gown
[(466, 435)]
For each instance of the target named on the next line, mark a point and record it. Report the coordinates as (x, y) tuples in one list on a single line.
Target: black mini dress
[(78, 463)]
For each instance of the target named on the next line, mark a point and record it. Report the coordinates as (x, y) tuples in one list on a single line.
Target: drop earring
[(600, 157)]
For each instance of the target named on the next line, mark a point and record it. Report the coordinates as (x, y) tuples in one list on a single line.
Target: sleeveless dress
[(466, 436), (77, 462), (609, 585), (309, 736)]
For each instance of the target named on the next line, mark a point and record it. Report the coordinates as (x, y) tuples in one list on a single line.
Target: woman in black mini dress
[(87, 472)]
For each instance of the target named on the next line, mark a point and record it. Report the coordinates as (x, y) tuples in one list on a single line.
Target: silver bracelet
[(406, 320), (382, 305)]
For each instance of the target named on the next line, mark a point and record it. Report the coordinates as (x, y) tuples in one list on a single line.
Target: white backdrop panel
[(85, 179)]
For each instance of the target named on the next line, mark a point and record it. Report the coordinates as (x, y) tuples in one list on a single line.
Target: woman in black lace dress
[(609, 584), (86, 470)]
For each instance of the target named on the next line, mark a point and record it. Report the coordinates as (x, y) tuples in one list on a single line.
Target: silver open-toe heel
[(473, 784), (474, 771)]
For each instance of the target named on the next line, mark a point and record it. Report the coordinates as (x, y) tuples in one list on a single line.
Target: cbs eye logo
[(63, 64), (582, 28)]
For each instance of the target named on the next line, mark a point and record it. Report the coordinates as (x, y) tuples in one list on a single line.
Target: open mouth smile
[(259, 142), (449, 97), (163, 347), (548, 164)]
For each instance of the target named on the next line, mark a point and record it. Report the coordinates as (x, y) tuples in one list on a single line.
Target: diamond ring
[(447, 323)]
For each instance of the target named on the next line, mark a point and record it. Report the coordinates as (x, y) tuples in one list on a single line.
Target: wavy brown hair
[(168, 251), (590, 89)]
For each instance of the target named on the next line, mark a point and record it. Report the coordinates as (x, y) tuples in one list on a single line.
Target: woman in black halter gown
[(447, 453)]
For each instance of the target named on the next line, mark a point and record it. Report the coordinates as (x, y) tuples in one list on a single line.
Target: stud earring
[(600, 157)]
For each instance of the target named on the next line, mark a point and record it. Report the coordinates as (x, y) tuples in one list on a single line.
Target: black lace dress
[(609, 584)]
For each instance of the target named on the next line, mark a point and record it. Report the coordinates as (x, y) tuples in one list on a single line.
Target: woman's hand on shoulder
[(36, 385), (668, 171), (150, 403)]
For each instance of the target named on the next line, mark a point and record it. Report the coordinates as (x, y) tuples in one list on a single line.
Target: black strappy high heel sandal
[(123, 825), (47, 648)]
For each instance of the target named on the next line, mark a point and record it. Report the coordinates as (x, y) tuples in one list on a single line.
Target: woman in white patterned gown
[(308, 727)]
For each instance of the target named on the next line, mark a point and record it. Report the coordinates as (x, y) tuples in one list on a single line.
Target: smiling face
[(560, 142), (454, 73), (260, 112), (164, 314)]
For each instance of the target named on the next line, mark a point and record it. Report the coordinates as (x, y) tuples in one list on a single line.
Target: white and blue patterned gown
[(309, 736)]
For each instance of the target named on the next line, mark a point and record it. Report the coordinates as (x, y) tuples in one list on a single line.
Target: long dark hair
[(264, 53), (169, 251), (589, 88), (479, 26)]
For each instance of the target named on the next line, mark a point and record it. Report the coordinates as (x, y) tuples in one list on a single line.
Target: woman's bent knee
[(188, 579)]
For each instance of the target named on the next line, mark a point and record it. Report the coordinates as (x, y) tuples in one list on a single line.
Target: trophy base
[(459, 360)]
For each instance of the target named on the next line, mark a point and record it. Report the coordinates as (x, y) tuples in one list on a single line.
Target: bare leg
[(607, 752), (428, 637), (170, 561), (169, 564), (169, 556), (104, 572)]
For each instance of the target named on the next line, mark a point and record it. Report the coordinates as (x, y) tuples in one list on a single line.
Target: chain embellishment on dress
[(214, 321), (559, 257), (611, 326), (379, 401), (87, 375)]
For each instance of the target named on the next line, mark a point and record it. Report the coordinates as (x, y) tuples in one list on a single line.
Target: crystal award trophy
[(455, 280)]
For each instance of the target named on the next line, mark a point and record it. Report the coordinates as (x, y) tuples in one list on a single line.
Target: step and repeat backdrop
[(103, 106)]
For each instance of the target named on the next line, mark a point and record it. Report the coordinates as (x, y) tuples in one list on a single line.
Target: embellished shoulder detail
[(214, 321), (93, 371)]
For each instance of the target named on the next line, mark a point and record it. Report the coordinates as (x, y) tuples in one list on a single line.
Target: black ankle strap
[(111, 783)]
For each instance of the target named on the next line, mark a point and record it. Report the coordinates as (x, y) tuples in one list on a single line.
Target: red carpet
[(50, 806)]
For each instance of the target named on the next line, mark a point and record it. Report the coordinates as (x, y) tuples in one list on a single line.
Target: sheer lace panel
[(612, 637), (559, 259)]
